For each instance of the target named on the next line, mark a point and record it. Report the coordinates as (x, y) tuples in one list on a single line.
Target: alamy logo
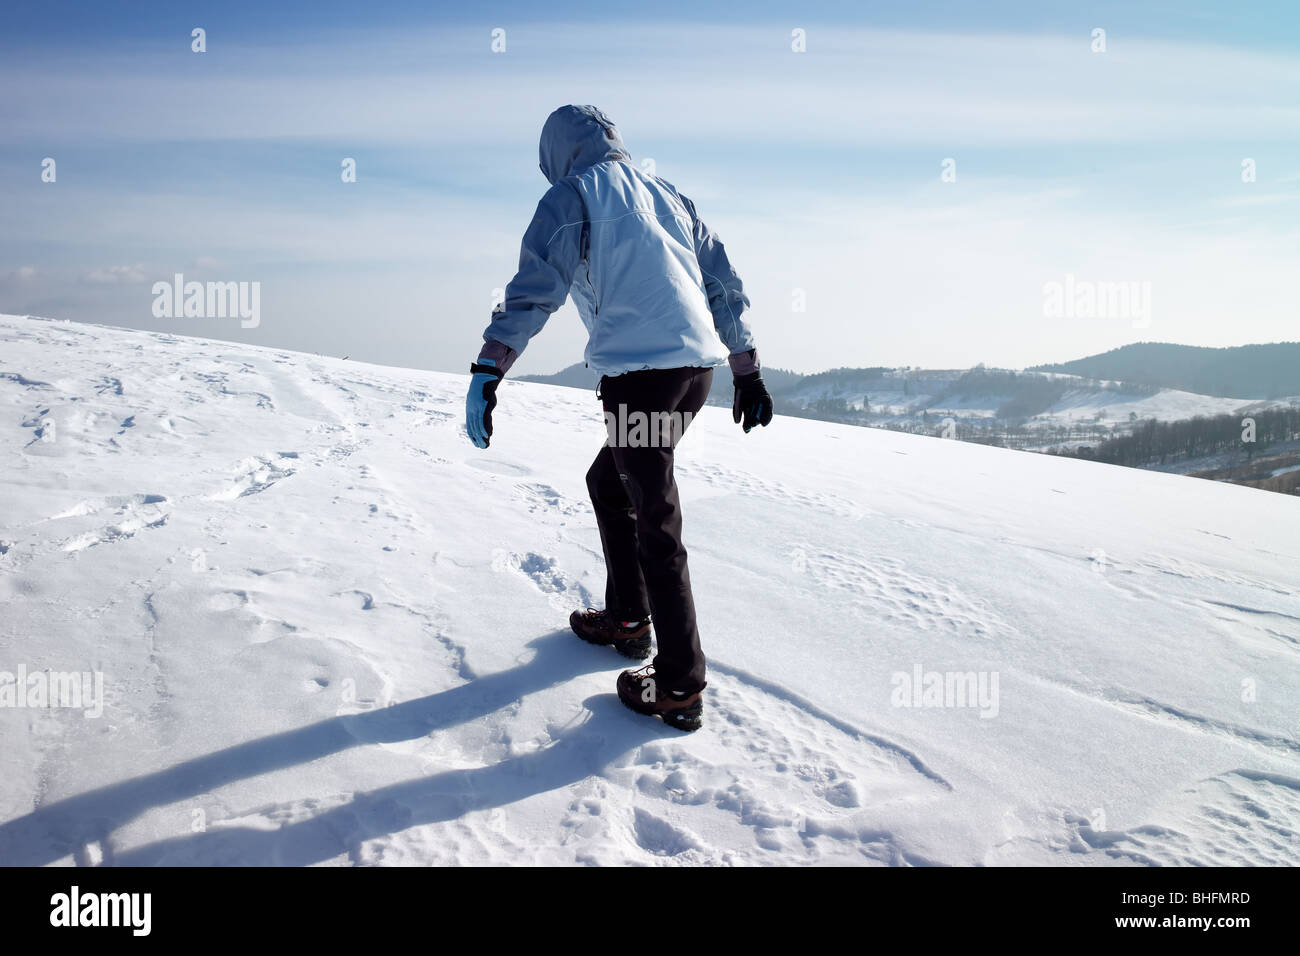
[(639, 429), (75, 690), (1089, 299), (922, 688), (179, 299), (74, 908)]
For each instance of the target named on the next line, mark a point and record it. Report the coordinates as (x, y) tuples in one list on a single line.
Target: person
[(663, 307)]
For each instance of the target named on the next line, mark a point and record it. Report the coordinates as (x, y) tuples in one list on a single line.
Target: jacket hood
[(576, 137)]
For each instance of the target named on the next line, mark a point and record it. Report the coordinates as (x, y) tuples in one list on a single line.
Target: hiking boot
[(637, 689), (629, 638)]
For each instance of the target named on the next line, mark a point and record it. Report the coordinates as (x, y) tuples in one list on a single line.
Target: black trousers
[(639, 514)]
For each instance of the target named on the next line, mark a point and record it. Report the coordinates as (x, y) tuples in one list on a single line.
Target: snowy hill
[(1032, 411), (941, 393), (1245, 371), (1116, 407), (332, 631)]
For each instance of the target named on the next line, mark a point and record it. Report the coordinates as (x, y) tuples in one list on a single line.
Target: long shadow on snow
[(575, 754), (59, 829)]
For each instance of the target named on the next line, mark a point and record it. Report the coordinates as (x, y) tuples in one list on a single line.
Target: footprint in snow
[(254, 475)]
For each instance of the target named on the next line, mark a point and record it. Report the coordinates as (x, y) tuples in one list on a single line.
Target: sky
[(912, 188)]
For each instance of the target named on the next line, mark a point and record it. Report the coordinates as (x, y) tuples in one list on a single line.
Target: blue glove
[(481, 400)]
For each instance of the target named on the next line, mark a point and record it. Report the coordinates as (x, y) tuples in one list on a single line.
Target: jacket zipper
[(595, 307)]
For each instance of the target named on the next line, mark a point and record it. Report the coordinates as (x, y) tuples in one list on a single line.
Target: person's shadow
[(58, 829)]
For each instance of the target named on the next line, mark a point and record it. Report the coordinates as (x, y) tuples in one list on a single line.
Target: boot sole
[(688, 719)]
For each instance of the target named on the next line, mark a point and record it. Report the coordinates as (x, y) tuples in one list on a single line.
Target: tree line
[(1152, 442)]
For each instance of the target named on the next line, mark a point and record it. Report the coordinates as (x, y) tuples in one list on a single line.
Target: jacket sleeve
[(727, 299), (548, 256)]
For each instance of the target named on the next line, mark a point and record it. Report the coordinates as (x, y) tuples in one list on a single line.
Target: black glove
[(752, 401)]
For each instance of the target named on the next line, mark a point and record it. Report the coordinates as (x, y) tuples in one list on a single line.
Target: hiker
[(662, 306)]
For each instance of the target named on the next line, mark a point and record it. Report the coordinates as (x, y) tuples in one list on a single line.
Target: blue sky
[(821, 170)]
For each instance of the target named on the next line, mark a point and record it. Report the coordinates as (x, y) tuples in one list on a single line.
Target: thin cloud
[(117, 275)]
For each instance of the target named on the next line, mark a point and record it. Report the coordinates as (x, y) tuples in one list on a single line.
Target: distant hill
[(1073, 403), (1243, 371), (576, 375)]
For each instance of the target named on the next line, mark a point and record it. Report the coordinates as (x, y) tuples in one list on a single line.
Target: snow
[(332, 631), (1166, 405)]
